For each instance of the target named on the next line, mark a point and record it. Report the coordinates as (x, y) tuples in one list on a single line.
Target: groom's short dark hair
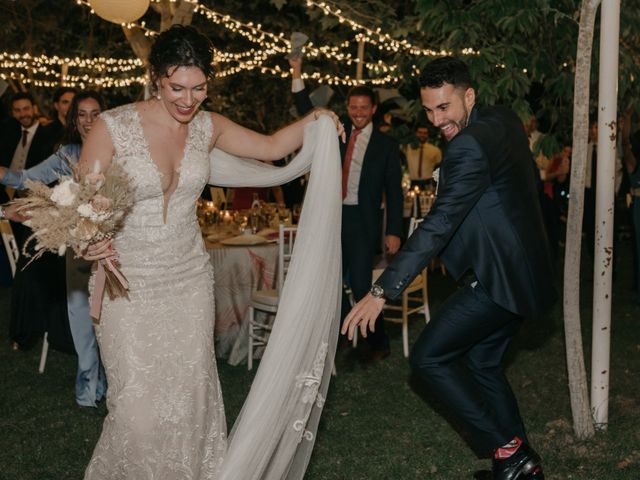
[(362, 91), (443, 70)]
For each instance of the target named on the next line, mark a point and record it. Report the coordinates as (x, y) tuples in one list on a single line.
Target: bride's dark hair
[(179, 46)]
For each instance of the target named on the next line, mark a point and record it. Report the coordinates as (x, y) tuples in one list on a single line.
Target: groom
[(487, 228)]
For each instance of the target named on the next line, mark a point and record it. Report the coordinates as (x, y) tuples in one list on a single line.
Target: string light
[(44, 71), (384, 41), (271, 45)]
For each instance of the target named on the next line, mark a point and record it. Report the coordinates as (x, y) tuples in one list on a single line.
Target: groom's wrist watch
[(377, 291), (2, 214)]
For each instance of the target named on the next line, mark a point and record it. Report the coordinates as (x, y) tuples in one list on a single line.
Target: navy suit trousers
[(459, 355), (357, 266)]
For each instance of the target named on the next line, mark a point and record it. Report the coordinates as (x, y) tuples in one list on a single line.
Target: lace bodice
[(131, 148)]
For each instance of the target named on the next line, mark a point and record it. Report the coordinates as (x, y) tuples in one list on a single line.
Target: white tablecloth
[(238, 271)]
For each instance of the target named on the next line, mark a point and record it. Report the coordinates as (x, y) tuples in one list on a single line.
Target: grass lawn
[(378, 422)]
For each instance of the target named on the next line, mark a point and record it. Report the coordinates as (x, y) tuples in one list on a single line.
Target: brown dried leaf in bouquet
[(77, 211)]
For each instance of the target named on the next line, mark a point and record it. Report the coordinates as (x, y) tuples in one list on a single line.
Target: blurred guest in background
[(555, 177), (243, 197), (84, 110), (422, 158), (631, 146), (37, 296), (62, 99)]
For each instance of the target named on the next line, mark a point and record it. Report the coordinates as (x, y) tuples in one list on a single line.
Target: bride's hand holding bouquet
[(83, 213)]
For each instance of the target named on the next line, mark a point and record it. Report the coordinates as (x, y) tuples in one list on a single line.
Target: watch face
[(377, 291)]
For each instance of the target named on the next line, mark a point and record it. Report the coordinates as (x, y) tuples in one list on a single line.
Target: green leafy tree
[(527, 54)]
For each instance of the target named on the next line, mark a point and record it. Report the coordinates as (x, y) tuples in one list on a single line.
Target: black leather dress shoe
[(525, 464)]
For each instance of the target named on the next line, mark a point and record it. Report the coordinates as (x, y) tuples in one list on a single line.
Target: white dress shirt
[(20, 154), (357, 157), (431, 157)]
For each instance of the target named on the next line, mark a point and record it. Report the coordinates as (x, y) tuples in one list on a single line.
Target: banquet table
[(238, 270)]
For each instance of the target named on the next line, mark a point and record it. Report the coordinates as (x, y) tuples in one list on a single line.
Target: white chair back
[(413, 224), (286, 239), (10, 245)]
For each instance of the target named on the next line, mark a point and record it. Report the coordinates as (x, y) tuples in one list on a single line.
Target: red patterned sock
[(507, 450)]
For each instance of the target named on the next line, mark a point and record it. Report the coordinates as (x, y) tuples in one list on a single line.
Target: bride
[(166, 416)]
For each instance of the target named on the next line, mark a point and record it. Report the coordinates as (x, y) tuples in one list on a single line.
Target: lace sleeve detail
[(203, 127), (125, 135)]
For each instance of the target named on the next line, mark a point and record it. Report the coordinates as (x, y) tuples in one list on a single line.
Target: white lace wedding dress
[(166, 419), (166, 416)]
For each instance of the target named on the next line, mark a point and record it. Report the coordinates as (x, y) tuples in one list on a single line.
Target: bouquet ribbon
[(108, 277)]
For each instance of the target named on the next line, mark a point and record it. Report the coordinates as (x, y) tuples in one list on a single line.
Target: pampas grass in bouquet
[(76, 213)]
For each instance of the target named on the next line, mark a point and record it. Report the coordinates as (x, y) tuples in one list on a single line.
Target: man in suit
[(24, 142), (37, 293), (487, 228), (371, 170)]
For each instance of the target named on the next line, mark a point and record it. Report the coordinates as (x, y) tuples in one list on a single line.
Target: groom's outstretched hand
[(363, 314)]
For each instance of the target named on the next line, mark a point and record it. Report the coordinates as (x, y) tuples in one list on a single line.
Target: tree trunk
[(140, 43), (164, 8), (183, 14), (578, 389)]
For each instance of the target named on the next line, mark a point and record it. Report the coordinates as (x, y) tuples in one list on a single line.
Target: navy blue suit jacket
[(42, 146), (381, 173), (486, 219)]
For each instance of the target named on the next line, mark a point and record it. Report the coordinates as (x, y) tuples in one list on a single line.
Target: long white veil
[(274, 434)]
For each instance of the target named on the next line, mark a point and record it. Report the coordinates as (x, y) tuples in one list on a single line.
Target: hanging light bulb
[(120, 11)]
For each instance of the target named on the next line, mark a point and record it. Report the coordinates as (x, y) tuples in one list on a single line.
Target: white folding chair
[(414, 298), (267, 300), (10, 245), (13, 253)]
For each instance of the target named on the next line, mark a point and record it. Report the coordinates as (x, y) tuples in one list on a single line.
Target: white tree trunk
[(605, 197), (140, 43), (578, 390), (183, 13)]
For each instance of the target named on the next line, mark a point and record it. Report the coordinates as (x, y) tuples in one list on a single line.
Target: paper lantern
[(120, 11)]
